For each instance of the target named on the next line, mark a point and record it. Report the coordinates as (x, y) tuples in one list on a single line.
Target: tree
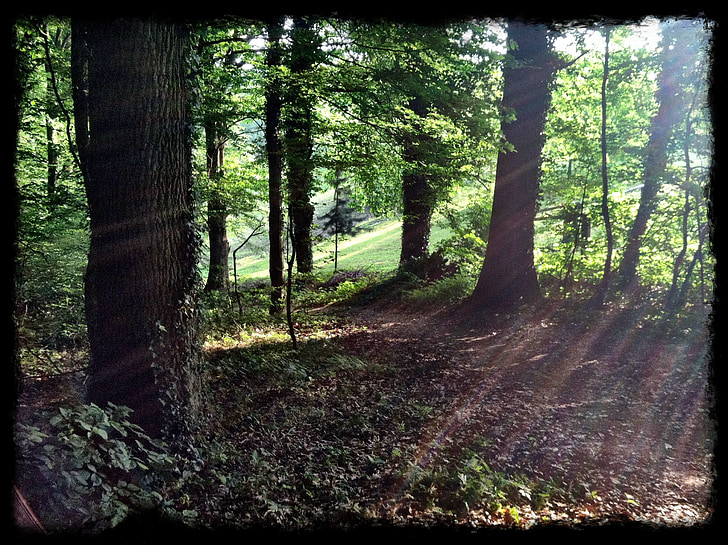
[(426, 89), (508, 275), (298, 139), (573, 161), (274, 154), (607, 275), (142, 259), (223, 101), (676, 54), (418, 191), (218, 277), (341, 218), (52, 238)]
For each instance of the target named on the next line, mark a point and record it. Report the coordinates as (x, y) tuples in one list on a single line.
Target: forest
[(307, 273)]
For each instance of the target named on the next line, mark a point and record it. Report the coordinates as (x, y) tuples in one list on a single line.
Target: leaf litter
[(391, 416)]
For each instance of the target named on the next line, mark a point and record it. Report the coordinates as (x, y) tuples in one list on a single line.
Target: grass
[(375, 248)]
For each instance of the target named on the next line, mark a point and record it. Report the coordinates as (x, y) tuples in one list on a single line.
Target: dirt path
[(615, 407)]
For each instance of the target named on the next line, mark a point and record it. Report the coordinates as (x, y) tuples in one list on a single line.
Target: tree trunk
[(299, 140), (671, 299), (668, 115), (607, 274), (51, 115), (301, 216), (417, 203), (274, 151), (79, 86), (142, 257), (508, 276), (417, 198), (218, 276)]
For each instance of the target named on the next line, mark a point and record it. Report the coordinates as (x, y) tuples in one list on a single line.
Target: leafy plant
[(98, 466)]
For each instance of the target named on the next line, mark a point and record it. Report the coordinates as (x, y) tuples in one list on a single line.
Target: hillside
[(391, 414), (373, 245)]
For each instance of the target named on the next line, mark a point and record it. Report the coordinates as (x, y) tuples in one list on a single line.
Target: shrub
[(466, 252), (93, 467)]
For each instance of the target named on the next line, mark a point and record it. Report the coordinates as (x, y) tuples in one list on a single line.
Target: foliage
[(442, 292), (449, 69), (340, 288), (320, 431), (471, 485), (571, 163), (52, 235), (96, 466)]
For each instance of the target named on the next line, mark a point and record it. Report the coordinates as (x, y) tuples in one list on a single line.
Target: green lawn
[(375, 247)]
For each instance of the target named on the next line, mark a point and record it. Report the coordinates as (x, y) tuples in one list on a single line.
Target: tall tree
[(274, 154), (607, 275), (418, 193), (677, 50), (142, 258), (429, 87), (218, 276), (508, 275), (298, 124), (221, 50)]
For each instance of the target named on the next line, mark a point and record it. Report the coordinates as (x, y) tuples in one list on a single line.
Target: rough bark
[(417, 197), (417, 202), (508, 276), (298, 125), (142, 257)]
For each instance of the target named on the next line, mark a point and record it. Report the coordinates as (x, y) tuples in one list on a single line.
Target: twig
[(253, 233)]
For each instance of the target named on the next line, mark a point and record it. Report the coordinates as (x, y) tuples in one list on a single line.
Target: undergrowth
[(93, 468), (312, 436)]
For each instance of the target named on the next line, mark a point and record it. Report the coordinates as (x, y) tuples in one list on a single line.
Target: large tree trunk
[(142, 257), (508, 276), (417, 203), (274, 151), (218, 276)]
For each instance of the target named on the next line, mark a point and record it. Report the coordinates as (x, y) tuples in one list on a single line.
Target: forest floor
[(610, 402), (394, 415), (551, 415)]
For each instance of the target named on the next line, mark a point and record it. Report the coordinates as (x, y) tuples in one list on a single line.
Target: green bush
[(92, 467), (466, 252), (49, 290)]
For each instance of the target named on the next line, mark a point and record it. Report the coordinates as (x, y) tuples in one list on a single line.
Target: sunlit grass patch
[(443, 292)]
